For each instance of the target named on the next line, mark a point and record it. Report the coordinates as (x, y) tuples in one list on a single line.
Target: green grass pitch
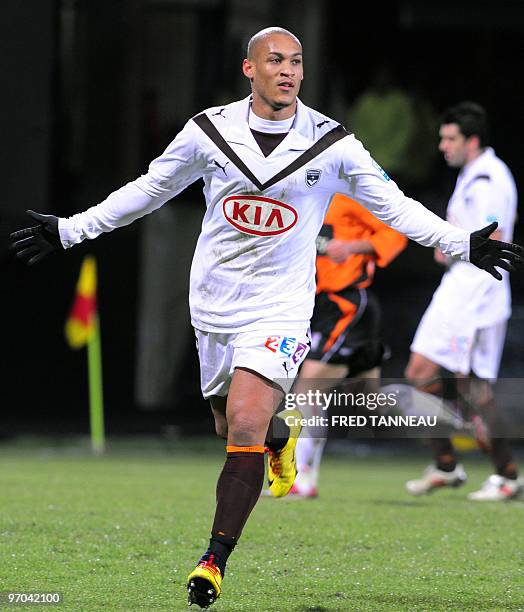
[(122, 532)]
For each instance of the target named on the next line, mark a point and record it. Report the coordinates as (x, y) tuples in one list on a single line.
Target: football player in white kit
[(464, 327), (270, 166)]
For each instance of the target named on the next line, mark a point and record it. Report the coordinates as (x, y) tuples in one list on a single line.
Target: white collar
[(478, 161), (486, 153), (238, 130), (267, 126)]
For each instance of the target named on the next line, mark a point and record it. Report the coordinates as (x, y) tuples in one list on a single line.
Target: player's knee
[(422, 380), (423, 374), (412, 374), (246, 429)]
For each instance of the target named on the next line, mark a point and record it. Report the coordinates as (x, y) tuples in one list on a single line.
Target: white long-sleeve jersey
[(485, 192), (254, 263)]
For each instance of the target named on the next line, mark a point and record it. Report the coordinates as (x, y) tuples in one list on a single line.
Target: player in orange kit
[(345, 328)]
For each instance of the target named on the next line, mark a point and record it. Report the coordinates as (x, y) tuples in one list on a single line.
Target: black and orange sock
[(238, 489), (502, 458), (445, 458), (219, 549), (498, 447)]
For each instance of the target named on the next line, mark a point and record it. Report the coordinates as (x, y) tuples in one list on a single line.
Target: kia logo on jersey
[(259, 216)]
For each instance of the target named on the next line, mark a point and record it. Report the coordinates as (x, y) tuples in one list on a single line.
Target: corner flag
[(80, 325), (81, 329)]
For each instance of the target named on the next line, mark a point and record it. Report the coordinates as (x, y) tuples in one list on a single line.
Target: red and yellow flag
[(81, 323)]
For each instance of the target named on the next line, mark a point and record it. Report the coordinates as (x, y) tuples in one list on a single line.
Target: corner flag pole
[(96, 396), (83, 328)]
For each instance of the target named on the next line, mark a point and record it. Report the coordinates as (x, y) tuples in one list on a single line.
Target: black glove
[(33, 243), (486, 253)]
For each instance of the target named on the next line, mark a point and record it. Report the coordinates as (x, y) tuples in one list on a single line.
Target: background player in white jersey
[(464, 327), (270, 165)]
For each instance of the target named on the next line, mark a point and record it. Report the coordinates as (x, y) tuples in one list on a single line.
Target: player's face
[(276, 72), (453, 145)]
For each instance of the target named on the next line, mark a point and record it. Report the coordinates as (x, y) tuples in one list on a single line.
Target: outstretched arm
[(179, 166), (370, 185)]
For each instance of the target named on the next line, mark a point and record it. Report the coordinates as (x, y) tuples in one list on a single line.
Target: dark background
[(93, 90)]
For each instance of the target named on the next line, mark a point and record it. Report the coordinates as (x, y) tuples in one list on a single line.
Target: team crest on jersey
[(259, 216), (312, 177)]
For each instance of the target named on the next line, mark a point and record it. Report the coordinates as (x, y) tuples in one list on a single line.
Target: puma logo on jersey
[(322, 123), (223, 168), (219, 113), (259, 216)]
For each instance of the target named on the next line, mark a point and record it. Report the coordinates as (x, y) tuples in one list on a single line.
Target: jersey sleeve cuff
[(458, 249), (69, 235)]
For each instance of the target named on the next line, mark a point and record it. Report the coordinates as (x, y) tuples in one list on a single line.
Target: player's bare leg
[(249, 408), (474, 398)]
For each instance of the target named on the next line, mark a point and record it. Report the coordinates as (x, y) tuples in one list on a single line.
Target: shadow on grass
[(397, 602), (411, 503), (432, 602)]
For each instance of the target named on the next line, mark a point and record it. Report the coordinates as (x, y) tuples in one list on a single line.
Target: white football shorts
[(276, 356), (460, 347)]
